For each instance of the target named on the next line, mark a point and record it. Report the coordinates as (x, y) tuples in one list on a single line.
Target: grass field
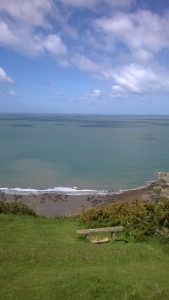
[(42, 259)]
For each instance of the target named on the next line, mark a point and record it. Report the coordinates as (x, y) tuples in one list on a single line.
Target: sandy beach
[(56, 204)]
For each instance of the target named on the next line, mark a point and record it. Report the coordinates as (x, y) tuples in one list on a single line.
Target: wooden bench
[(85, 233)]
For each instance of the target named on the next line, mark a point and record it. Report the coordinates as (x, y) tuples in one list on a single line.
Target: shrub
[(15, 208), (164, 235), (162, 213), (140, 219)]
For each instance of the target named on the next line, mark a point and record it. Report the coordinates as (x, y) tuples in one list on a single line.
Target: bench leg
[(113, 236)]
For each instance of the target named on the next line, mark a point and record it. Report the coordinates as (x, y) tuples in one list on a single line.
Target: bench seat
[(86, 232)]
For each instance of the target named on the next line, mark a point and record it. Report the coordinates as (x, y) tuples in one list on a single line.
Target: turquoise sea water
[(89, 152)]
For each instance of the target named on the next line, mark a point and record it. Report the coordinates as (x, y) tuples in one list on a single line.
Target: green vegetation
[(15, 208), (42, 259), (140, 219)]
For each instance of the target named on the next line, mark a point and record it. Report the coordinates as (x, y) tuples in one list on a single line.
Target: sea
[(81, 153)]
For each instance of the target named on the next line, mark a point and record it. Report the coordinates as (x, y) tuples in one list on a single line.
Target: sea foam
[(58, 190), (68, 190)]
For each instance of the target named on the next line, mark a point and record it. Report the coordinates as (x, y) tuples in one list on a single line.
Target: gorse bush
[(140, 219), (15, 208), (162, 213)]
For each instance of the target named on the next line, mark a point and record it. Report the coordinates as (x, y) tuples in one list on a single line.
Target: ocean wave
[(58, 190), (69, 190)]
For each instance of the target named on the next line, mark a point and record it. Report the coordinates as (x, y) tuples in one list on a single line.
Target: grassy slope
[(42, 259)]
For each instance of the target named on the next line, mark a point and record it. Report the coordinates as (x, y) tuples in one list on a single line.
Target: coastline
[(55, 204)]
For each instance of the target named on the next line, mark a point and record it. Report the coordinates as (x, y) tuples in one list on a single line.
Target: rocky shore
[(54, 204)]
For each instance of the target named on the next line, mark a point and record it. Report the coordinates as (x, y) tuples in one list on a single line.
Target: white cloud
[(79, 3), (92, 97), (142, 56), (98, 69), (26, 40), (94, 3), (4, 78), (19, 27), (53, 44), (140, 30), (96, 93), (84, 63), (117, 89), (118, 3), (33, 12), (7, 37), (137, 79)]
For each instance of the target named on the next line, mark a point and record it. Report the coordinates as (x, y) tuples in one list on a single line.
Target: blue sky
[(84, 56)]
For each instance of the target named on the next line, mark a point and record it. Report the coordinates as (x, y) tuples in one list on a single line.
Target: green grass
[(42, 259)]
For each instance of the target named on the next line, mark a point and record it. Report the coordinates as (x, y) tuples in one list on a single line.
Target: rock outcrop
[(161, 186)]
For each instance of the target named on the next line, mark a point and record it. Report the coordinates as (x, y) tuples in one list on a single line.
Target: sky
[(84, 56)]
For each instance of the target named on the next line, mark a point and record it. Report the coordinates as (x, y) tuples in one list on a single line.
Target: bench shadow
[(122, 240)]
